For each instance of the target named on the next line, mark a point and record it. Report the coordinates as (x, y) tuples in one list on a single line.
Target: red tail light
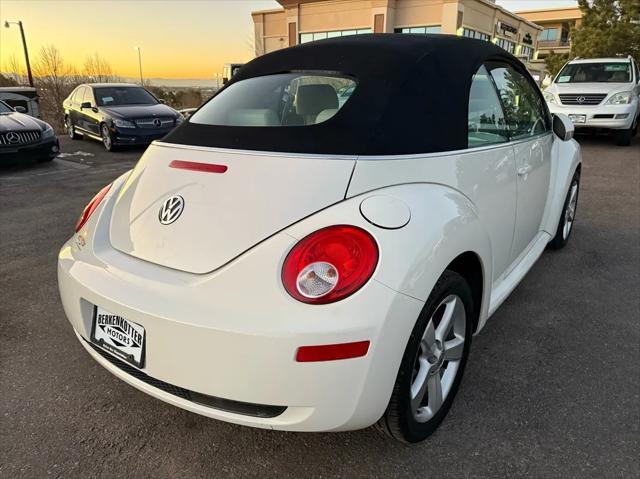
[(330, 264), (91, 207)]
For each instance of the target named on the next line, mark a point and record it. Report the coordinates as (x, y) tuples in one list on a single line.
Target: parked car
[(21, 96), (187, 112), (599, 93), (117, 114), (24, 137), (286, 262)]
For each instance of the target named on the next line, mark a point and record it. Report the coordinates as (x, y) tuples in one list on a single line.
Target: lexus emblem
[(171, 209), (157, 123), (581, 99), (13, 137)]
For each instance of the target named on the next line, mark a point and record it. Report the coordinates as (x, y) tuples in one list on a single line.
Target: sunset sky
[(178, 38)]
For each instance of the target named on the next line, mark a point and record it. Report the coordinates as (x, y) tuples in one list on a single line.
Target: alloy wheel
[(438, 358), (106, 137)]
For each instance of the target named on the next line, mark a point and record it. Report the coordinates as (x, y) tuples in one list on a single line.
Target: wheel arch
[(469, 266)]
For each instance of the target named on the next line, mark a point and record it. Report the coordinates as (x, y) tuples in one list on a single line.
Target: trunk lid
[(223, 214)]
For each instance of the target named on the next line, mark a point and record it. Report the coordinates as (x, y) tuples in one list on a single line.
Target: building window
[(310, 37), (467, 32), (506, 44), (526, 51), (549, 35), (423, 30)]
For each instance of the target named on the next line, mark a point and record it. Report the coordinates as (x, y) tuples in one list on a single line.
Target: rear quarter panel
[(413, 257)]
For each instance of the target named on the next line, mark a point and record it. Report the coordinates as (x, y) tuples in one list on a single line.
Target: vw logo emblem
[(157, 123), (581, 99), (171, 209), (13, 137)]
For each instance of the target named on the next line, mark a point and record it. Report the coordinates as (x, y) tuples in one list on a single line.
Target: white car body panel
[(484, 179), (533, 167), (226, 327)]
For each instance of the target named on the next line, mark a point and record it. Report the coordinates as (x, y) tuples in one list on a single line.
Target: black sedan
[(117, 114), (25, 137)]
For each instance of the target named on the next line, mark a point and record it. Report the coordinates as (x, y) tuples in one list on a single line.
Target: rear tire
[(71, 129), (437, 352), (568, 215)]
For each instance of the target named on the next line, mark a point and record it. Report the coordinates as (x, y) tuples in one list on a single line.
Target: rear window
[(287, 99), (617, 72)]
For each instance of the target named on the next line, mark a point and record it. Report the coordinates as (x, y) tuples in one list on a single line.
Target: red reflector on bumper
[(332, 352), (195, 166)]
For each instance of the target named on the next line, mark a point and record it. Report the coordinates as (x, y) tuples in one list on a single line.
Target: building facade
[(300, 21), (556, 36)]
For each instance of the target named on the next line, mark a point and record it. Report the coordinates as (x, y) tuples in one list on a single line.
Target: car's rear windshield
[(286, 99), (609, 72), (123, 95)]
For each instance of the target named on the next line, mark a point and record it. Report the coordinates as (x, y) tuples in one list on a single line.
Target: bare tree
[(16, 71), (56, 80), (98, 70)]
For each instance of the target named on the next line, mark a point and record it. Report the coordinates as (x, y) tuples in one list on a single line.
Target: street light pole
[(24, 45), (140, 64)]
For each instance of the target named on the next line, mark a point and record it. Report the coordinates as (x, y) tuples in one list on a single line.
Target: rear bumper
[(233, 334), (48, 148), (615, 117)]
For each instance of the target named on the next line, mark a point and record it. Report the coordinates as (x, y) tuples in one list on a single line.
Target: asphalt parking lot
[(551, 389)]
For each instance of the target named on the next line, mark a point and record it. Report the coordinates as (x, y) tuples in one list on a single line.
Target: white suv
[(599, 93)]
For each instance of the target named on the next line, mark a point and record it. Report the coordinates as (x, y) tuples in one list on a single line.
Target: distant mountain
[(179, 82)]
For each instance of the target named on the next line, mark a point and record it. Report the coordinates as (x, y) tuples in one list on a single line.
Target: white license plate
[(121, 337), (578, 118)]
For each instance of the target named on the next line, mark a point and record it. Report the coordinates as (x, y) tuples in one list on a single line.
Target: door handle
[(524, 170)]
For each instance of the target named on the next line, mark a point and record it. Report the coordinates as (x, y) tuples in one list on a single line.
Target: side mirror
[(225, 80), (164, 102), (20, 109), (86, 104), (563, 126)]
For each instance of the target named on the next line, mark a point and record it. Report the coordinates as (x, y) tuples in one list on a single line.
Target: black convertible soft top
[(412, 96)]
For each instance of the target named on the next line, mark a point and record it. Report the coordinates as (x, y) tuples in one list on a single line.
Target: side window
[(77, 95), (522, 103), (88, 96), (486, 124)]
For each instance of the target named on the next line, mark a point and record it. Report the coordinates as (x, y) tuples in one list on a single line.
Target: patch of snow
[(75, 153)]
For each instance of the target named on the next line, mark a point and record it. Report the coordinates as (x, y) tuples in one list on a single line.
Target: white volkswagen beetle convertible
[(290, 260)]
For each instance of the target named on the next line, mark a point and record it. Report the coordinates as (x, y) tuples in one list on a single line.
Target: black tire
[(399, 420), (623, 137), (107, 138), (561, 238), (71, 129), (45, 159)]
